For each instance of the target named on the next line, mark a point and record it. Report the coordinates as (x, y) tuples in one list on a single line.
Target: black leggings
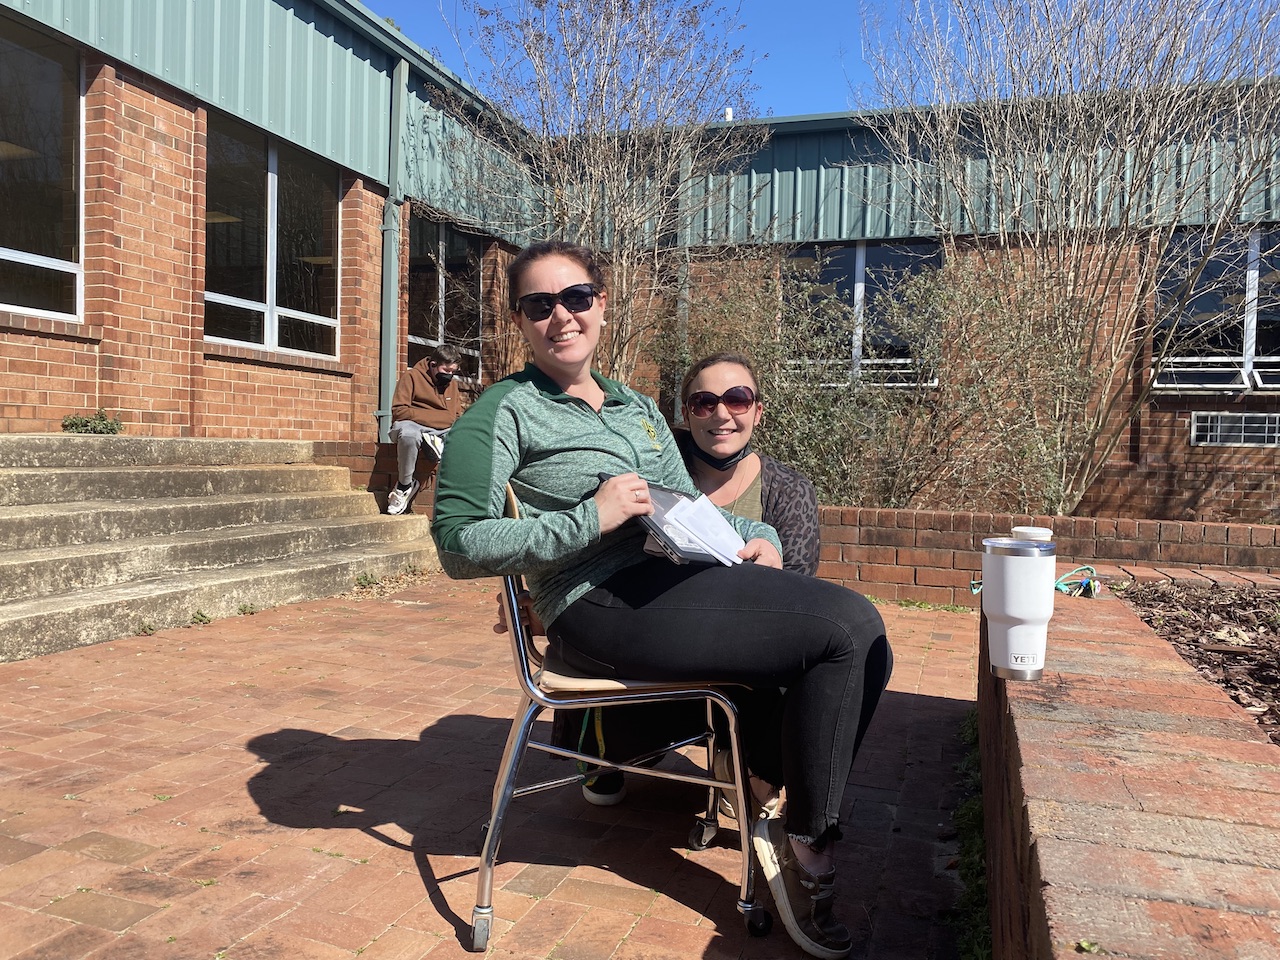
[(760, 627)]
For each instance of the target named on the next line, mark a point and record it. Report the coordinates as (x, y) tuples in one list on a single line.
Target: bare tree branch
[(605, 121), (1064, 144)]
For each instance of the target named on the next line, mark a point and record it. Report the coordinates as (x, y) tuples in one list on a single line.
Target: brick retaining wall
[(932, 556), (1128, 802)]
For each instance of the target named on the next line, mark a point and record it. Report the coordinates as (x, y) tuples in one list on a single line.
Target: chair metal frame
[(548, 685)]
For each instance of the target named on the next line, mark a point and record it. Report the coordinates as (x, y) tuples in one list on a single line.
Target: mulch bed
[(1231, 635)]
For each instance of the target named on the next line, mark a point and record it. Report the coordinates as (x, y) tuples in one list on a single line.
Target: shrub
[(98, 423)]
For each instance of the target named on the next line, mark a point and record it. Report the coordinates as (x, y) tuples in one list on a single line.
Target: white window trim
[(856, 360), (441, 283), (1246, 365), (272, 313), (53, 263), (1270, 420)]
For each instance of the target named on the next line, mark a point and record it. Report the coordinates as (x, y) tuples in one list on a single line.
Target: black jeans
[(759, 627)]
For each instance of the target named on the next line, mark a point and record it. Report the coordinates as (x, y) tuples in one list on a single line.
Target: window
[(1223, 303), (40, 271), (444, 292), (859, 275), (271, 250), (1235, 429)]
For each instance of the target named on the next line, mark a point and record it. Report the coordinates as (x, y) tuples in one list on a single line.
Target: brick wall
[(141, 165), (1159, 473), (1127, 802), (505, 350), (48, 368), (931, 556), (140, 352)]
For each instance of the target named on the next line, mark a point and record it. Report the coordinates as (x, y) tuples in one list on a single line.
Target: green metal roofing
[(819, 178), (317, 73), (322, 74), (828, 178)]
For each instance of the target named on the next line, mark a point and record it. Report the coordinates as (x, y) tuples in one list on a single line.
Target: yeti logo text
[(1023, 658)]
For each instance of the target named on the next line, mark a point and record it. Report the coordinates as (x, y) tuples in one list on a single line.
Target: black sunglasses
[(737, 400), (576, 299)]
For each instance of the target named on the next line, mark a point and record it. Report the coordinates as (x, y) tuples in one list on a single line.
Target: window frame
[(76, 269), (271, 312), (1207, 427), (1176, 374), (863, 370), (442, 278)]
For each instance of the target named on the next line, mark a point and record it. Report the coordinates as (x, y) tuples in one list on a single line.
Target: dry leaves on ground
[(370, 589), (1231, 635)]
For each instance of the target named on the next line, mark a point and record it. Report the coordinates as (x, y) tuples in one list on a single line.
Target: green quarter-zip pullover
[(551, 447)]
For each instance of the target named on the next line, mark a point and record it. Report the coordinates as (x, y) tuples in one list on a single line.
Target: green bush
[(98, 423), (939, 408)]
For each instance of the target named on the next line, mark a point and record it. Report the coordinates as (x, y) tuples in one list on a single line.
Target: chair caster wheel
[(759, 922), (479, 934), (701, 835)]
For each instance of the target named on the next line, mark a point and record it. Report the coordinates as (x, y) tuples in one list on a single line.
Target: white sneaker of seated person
[(435, 442), (398, 500)]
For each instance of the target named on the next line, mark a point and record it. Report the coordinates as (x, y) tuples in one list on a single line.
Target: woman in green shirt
[(614, 610)]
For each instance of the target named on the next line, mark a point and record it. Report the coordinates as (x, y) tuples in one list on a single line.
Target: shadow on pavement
[(438, 789), (897, 880)]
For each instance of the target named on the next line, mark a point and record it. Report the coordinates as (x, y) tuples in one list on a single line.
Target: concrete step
[(32, 485), (33, 526), (28, 574), (82, 450), (47, 625)]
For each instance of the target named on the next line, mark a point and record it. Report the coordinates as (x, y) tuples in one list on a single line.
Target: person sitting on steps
[(423, 408)]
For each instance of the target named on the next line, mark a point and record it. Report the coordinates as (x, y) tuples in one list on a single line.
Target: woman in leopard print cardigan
[(721, 402)]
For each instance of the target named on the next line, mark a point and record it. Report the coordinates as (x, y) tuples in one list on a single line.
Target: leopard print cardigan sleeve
[(790, 506)]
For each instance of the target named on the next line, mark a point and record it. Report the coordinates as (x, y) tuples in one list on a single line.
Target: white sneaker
[(606, 790), (398, 500), (435, 443)]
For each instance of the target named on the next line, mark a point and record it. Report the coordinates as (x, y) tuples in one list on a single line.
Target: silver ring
[(637, 494)]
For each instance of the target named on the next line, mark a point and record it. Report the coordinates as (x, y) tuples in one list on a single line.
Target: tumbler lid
[(1032, 533), (1009, 547)]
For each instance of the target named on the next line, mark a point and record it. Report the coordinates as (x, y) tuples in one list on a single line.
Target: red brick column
[(140, 223), (1127, 802)]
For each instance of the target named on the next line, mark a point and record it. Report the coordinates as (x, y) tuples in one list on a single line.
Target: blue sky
[(810, 49)]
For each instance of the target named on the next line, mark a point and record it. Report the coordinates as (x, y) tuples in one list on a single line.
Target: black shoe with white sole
[(605, 790)]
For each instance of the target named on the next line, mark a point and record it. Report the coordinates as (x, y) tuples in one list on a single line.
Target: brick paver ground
[(309, 783)]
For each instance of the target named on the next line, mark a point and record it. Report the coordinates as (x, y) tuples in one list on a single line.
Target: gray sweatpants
[(410, 438)]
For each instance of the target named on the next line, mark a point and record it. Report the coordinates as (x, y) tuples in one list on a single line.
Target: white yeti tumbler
[(1017, 600)]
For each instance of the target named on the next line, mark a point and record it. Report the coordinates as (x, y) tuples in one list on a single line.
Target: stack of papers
[(689, 530), (702, 521)]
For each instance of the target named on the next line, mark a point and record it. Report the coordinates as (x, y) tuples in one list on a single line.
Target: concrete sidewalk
[(309, 783)]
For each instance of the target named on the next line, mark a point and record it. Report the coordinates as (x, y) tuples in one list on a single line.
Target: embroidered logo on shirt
[(652, 432)]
